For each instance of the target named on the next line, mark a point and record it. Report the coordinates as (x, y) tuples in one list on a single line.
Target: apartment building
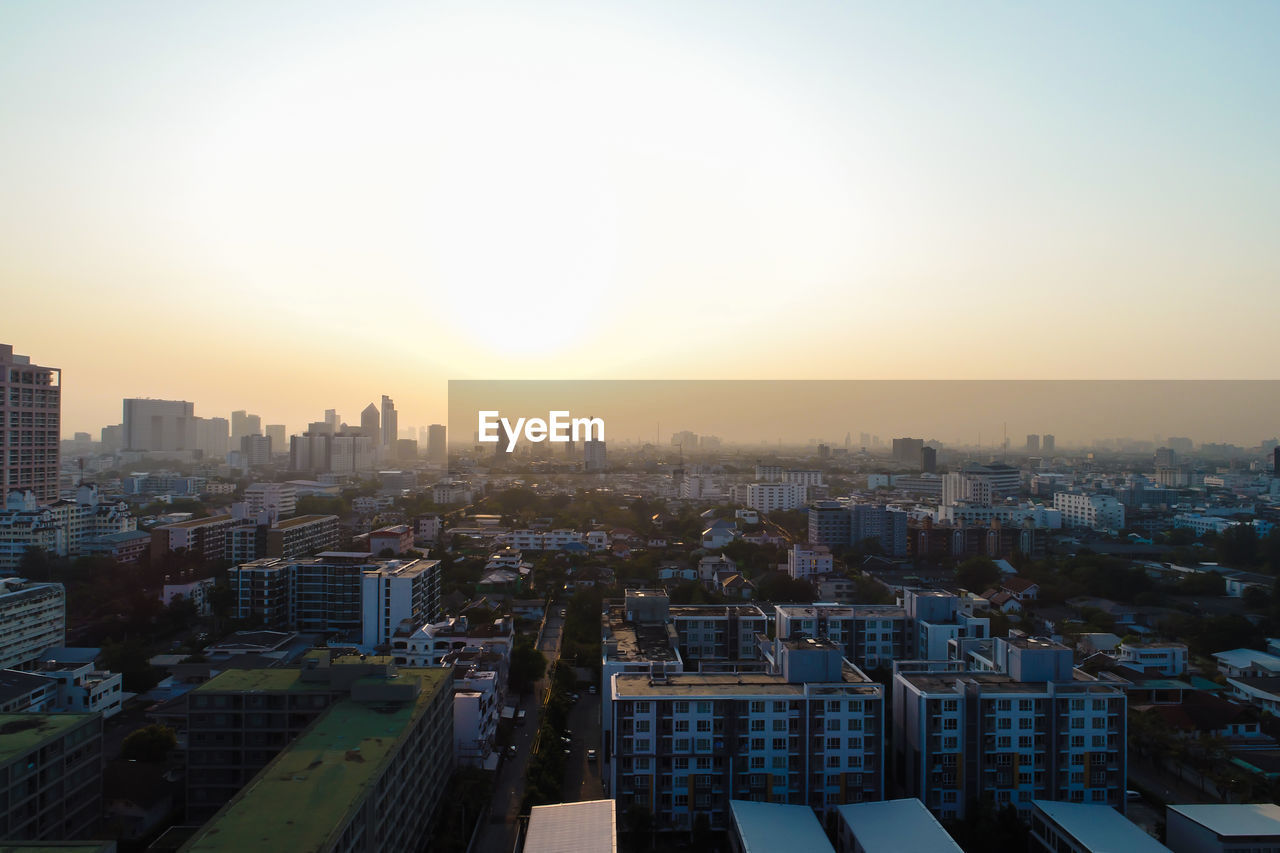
[(61, 527), (345, 754), (205, 538), (869, 635), (1164, 657), (767, 497), (1096, 512), (809, 563), (807, 732), (303, 536), (50, 776), (33, 618), (396, 593), (835, 523), (1032, 728), (30, 426), (419, 644), (981, 485), (280, 499), (935, 618)]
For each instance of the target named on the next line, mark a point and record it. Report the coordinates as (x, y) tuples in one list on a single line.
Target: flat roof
[(21, 733), (714, 684), (586, 827), (1099, 828), (301, 519), (272, 679), (891, 826), (773, 827), (1234, 819), (303, 797), (195, 522)]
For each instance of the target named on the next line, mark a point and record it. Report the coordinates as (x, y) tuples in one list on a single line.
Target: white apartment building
[(279, 499), (446, 494), (397, 592), (61, 527), (1097, 512), (1029, 730), (807, 732), (1167, 658), (33, 618), (807, 563), (1039, 515), (429, 644), (767, 497), (196, 592), (982, 485), (869, 635)]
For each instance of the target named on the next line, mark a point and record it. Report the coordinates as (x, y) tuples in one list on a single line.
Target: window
[(757, 762), (833, 743), (833, 761), (950, 705), (757, 707), (779, 743), (951, 723), (682, 707), (833, 705), (779, 725), (682, 725)]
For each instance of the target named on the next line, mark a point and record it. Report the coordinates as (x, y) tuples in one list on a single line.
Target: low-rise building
[(891, 826), (756, 827), (590, 826), (1164, 657), (1064, 827), (1225, 828), (33, 618), (196, 592), (808, 563), (50, 775)]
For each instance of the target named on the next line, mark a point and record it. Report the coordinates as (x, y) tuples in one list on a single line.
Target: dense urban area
[(222, 634)]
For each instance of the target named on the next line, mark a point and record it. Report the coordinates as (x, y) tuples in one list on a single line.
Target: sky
[(293, 206)]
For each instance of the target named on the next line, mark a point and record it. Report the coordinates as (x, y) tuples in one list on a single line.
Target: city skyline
[(865, 192)]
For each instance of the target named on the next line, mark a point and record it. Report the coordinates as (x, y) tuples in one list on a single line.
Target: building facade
[(30, 426)]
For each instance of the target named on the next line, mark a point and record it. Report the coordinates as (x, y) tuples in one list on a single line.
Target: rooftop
[(771, 827), (21, 733), (325, 772), (301, 520), (1233, 820), (585, 827), (893, 825), (196, 522), (1099, 827), (713, 684)]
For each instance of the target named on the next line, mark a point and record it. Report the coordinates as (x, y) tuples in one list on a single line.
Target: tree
[(977, 573), (129, 658), (149, 743), (528, 665)]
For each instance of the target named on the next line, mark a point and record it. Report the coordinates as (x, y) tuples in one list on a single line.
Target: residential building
[(280, 500), (808, 563), (50, 776), (1164, 657), (390, 424), (159, 425), (33, 618), (196, 592), (767, 497), (869, 635), (1224, 828), (437, 446), (807, 731), (594, 456), (81, 687), (429, 643), (344, 754), (1030, 727), (764, 826), (479, 695), (60, 528), (213, 437), (907, 450), (126, 547), (204, 538), (255, 450), (303, 536), (397, 592), (983, 485), (278, 436), (1097, 512), (31, 415), (891, 826), (833, 523), (397, 538), (934, 619), (1066, 827)]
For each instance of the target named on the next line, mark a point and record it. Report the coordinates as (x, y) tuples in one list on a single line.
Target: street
[(582, 778)]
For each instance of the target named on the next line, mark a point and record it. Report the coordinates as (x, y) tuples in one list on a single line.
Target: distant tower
[(1033, 443), (1047, 442), (593, 455), (369, 422), (33, 395), (929, 460), (332, 420), (437, 449), (389, 422)]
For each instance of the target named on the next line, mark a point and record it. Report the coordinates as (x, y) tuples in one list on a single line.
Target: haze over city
[(300, 205)]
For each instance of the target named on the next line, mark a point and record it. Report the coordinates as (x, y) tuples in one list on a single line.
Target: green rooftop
[(21, 733), (246, 680), (303, 797)]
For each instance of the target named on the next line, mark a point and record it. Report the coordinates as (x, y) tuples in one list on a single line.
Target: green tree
[(528, 665), (149, 743), (977, 574)]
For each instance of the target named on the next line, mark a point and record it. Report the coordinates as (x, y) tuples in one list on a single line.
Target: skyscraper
[(279, 437), (31, 400), (369, 422), (593, 455), (159, 425), (331, 418), (928, 460), (1033, 443), (437, 448), (389, 423), (1047, 443), (242, 424)]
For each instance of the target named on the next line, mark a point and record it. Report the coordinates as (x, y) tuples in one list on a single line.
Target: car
[(566, 740), (592, 690), (1132, 795), (574, 696), (591, 755), (511, 751), (520, 715), (563, 613)]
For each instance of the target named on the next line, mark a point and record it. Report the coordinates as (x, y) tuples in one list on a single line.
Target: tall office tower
[(242, 424), (112, 438), (331, 418), (256, 449), (1033, 443), (1166, 458), (390, 423), (907, 449), (279, 437), (213, 437), (159, 425), (1011, 719), (31, 417), (593, 455), (369, 422), (1047, 443), (928, 460)]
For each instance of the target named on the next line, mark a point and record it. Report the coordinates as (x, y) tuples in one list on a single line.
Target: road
[(498, 835), (582, 777), (1161, 783)]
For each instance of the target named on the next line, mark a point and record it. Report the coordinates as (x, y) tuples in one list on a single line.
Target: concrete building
[(303, 536), (1096, 512), (345, 754), (594, 456), (213, 437), (255, 450), (31, 411), (196, 592), (437, 444), (1165, 658), (1028, 728), (390, 425), (869, 635), (833, 523), (1226, 828), (33, 618), (983, 485), (59, 528), (397, 592), (159, 425), (50, 776), (891, 826), (907, 450), (806, 731), (809, 563), (429, 643), (934, 619), (1064, 827), (205, 538), (397, 538), (278, 436), (279, 499), (767, 497), (244, 424)]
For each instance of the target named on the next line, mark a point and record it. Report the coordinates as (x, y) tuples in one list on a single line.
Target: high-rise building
[(213, 437), (593, 456), (50, 779), (31, 416), (832, 523), (1011, 720), (255, 450), (390, 423), (242, 424), (332, 420), (1033, 443), (370, 422), (907, 449), (437, 448), (34, 616), (159, 425), (983, 485), (279, 437), (928, 460), (1047, 443)]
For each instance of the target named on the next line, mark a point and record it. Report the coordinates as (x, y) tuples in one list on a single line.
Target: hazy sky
[(292, 205)]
